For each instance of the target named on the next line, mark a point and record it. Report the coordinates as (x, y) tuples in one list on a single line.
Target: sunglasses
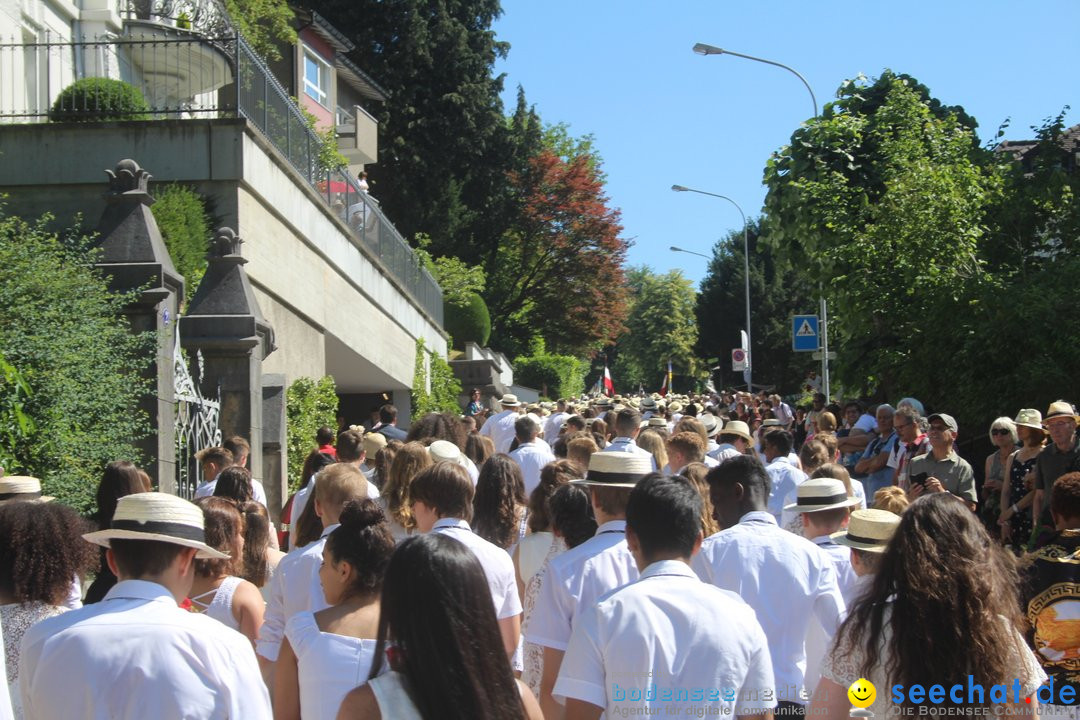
[(999, 431)]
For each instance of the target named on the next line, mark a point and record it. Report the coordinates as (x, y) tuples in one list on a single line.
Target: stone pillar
[(134, 256), (274, 444), (224, 322), (402, 400)]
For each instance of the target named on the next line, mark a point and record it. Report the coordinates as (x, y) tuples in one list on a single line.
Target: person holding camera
[(941, 469)]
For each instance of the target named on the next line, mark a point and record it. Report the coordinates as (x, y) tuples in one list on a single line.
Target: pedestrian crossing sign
[(804, 333)]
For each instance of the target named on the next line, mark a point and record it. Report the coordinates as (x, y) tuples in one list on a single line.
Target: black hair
[(364, 541), (627, 421), (387, 414), (438, 426), (664, 512), (120, 478), (571, 514), (234, 483), (437, 607), (136, 559), (500, 492), (42, 550), (324, 436), (743, 469), (780, 440)]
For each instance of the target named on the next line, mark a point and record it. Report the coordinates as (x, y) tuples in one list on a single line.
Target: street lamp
[(703, 49), (746, 271), (689, 252)]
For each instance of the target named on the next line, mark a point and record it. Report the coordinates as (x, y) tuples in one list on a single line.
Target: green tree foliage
[(309, 405), (15, 425), (96, 99), (435, 389), (64, 332), (458, 280), (468, 322), (555, 376), (777, 291), (265, 24), (883, 211), (661, 326), (180, 213)]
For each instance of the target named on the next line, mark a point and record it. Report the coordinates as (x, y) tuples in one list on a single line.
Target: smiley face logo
[(862, 693)]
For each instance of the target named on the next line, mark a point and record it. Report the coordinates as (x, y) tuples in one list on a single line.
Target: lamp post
[(703, 49), (746, 271), (689, 252)]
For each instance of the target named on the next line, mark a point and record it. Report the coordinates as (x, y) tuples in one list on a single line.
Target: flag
[(666, 387), (663, 387), (609, 386)]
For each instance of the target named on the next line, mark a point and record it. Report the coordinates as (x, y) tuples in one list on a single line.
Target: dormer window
[(316, 78)]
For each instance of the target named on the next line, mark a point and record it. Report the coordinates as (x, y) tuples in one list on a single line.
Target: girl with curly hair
[(499, 506), (394, 499), (41, 550)]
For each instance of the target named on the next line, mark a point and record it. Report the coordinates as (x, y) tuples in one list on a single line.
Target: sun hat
[(444, 451), (604, 402), (1061, 409), (373, 443), (509, 400), (157, 516), (868, 530), (656, 421), (675, 407), (648, 403), (771, 422), (945, 418), (616, 469), (817, 494), (711, 423), (737, 427), (1029, 418), (21, 487)]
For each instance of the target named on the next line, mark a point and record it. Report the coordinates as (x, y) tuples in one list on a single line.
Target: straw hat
[(509, 400), (157, 516), (373, 443), (868, 530), (616, 469), (1029, 418), (675, 407), (1061, 409), (817, 494), (737, 427), (656, 421), (648, 403), (444, 451), (21, 487), (711, 423)]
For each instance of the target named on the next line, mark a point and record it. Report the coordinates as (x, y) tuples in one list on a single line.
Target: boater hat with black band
[(21, 487), (868, 530), (817, 494), (616, 469), (161, 517)]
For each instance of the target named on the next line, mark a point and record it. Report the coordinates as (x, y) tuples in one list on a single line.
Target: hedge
[(555, 376), (93, 99), (470, 322), (309, 405)]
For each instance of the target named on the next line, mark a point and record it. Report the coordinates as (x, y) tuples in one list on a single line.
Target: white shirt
[(500, 428), (724, 452), (817, 642), (689, 637), (532, 457), (785, 579), (328, 665), (576, 579), (554, 425), (785, 479), (498, 567), (258, 492), (136, 655), (629, 445), (294, 588)]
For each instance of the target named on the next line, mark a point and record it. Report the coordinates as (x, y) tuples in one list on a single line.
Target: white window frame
[(320, 92)]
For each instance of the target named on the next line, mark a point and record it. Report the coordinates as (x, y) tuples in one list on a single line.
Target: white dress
[(220, 607), (329, 666), (393, 699)]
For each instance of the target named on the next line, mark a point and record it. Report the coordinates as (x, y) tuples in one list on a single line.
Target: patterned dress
[(16, 620), (1021, 521)]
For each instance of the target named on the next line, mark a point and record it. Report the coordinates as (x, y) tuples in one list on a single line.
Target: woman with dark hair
[(260, 557), (572, 523), (446, 660), (119, 479), (444, 426), (234, 483), (218, 590), (499, 506), (394, 499), (305, 526), (328, 653), (41, 550), (1018, 484), (943, 609), (477, 450)]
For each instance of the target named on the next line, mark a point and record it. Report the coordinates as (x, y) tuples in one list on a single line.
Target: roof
[(358, 79), (1070, 143), (348, 71)]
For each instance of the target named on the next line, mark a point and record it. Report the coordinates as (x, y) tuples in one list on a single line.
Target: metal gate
[(196, 421)]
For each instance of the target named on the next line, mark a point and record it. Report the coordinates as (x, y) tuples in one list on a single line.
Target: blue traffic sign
[(804, 333)]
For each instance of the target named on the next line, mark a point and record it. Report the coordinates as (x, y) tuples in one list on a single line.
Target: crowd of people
[(720, 554)]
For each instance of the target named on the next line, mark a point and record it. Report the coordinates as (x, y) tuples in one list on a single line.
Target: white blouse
[(329, 665)]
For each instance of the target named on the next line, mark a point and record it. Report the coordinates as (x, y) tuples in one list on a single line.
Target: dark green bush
[(181, 216), (470, 322), (554, 376), (93, 99)]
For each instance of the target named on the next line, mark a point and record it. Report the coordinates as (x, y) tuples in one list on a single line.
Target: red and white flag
[(609, 386)]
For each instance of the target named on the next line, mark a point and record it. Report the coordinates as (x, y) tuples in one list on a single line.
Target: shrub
[(554, 376), (309, 404), (445, 392), (92, 99), (64, 331), (468, 322), (181, 216)]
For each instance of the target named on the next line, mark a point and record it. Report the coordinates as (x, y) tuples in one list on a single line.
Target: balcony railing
[(186, 74)]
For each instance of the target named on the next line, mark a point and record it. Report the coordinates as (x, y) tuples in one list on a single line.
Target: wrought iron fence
[(185, 73), (196, 423)]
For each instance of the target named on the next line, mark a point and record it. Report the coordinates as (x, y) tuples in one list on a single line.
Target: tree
[(881, 205), (564, 244), (661, 326), (62, 328), (778, 291), (266, 24)]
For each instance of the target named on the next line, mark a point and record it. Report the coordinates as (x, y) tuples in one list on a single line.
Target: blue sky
[(661, 115)]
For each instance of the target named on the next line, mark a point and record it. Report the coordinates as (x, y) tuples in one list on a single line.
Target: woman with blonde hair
[(394, 499), (654, 442)]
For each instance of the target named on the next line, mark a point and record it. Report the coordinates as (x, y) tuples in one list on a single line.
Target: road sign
[(817, 355), (738, 360), (804, 333)]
